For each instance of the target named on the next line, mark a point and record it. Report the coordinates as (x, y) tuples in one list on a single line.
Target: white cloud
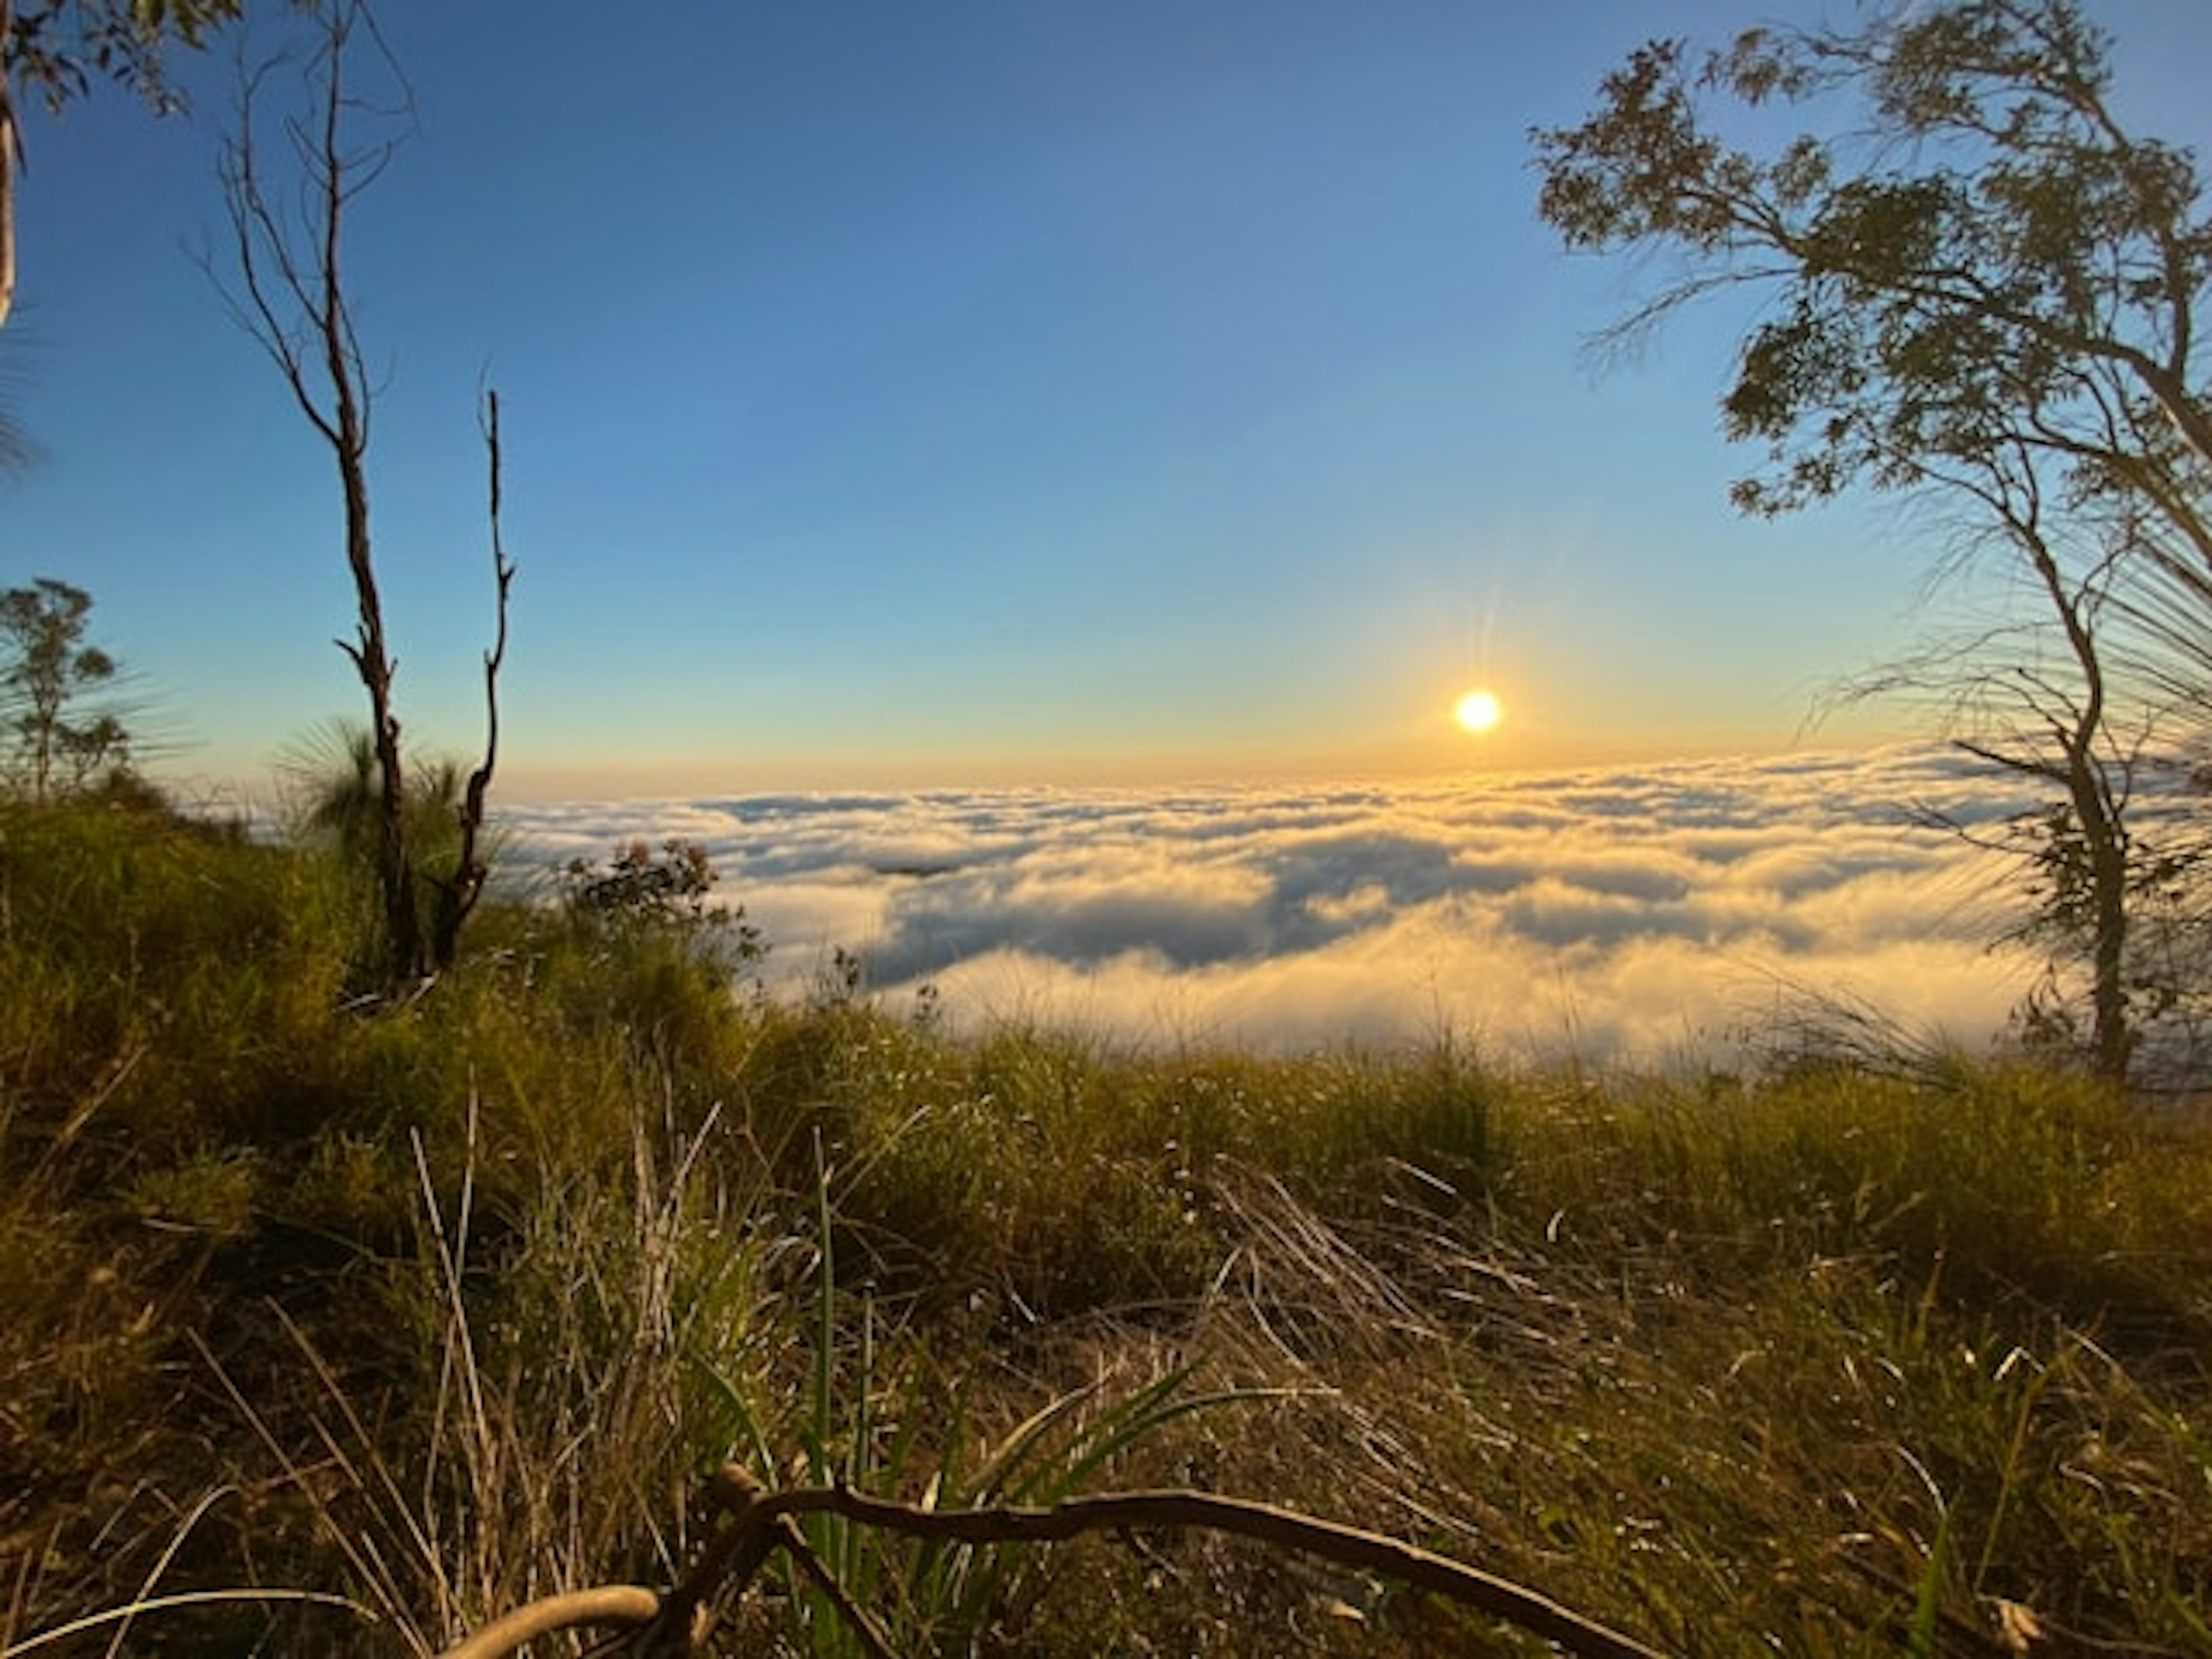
[(1641, 913)]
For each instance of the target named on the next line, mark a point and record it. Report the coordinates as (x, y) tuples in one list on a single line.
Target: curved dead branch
[(608, 1604), (760, 1520)]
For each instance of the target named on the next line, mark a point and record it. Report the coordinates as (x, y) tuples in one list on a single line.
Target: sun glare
[(1478, 711)]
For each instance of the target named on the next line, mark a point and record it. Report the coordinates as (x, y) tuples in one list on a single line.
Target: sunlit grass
[(436, 1308)]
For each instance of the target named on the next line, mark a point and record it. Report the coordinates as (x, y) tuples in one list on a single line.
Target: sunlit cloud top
[(1646, 913)]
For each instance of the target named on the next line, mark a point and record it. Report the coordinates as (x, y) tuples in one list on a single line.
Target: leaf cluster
[(644, 890), (60, 47), (1987, 257)]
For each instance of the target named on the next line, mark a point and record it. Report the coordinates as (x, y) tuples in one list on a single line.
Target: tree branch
[(606, 1604), (759, 1520), (458, 894)]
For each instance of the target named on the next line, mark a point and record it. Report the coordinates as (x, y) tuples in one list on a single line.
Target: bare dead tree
[(287, 233)]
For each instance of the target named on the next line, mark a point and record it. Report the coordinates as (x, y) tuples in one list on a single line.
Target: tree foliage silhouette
[(1988, 294), (55, 743)]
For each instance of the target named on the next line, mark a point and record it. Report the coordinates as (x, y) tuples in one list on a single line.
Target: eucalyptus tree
[(57, 733), (1981, 287)]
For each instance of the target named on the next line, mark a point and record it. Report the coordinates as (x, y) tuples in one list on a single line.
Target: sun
[(1478, 711)]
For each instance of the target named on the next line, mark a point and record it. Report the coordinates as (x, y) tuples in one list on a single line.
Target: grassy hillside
[(402, 1316)]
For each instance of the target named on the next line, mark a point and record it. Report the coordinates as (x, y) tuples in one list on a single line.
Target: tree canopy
[(2000, 256), (1980, 285), (53, 741)]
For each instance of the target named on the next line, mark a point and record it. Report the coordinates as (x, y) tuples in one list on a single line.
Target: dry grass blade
[(182, 1599), (357, 1545), (1307, 1288), (208, 1500)]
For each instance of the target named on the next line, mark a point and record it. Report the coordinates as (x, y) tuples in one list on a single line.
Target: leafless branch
[(759, 1520), (457, 893)]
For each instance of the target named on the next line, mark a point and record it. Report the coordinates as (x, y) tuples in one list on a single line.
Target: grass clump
[(424, 1310), (165, 981)]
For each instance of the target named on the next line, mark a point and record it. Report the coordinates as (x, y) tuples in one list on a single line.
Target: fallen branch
[(1283, 1529), (759, 1520)]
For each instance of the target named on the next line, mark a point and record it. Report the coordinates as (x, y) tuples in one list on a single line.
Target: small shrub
[(667, 891)]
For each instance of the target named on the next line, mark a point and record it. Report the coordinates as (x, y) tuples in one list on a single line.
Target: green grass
[(427, 1310)]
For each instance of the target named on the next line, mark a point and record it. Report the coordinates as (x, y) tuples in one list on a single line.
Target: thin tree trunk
[(8, 158), (395, 866), (2112, 1037), (2098, 811), (373, 656)]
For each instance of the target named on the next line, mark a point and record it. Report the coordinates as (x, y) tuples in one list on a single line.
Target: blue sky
[(970, 394)]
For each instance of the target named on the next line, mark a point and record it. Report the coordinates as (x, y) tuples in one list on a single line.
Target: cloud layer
[(1641, 914)]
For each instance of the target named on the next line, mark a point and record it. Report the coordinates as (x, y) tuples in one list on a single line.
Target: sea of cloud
[(1675, 911)]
